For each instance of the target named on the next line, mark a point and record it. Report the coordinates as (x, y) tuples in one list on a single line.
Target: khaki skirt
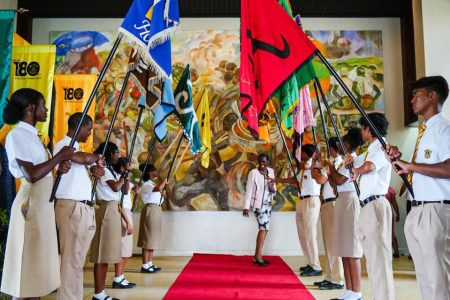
[(150, 227), (31, 266), (127, 240), (345, 226), (106, 245)]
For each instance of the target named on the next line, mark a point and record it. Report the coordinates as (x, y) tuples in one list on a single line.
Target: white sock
[(118, 279), (346, 295), (150, 263), (146, 266), (357, 295), (102, 295)]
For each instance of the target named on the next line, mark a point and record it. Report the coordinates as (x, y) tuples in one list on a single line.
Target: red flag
[(270, 53)]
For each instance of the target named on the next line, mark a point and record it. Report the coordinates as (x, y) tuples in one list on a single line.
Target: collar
[(434, 119), (76, 145), (375, 145), (28, 127)]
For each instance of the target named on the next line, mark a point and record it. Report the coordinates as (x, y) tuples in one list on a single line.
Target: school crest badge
[(427, 153)]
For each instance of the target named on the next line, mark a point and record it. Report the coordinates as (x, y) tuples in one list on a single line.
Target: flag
[(264, 122), (163, 110), (271, 52), (19, 41), (165, 20), (72, 92), (205, 127), (137, 26), (6, 37), (146, 81), (303, 114), (185, 111)]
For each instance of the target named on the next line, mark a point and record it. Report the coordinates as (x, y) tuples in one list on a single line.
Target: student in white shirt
[(427, 228), (150, 224), (31, 266), (75, 215), (333, 263), (346, 242), (106, 245), (372, 171), (121, 167)]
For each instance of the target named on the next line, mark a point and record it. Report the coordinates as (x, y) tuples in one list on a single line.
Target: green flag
[(185, 112), (6, 36), (288, 93)]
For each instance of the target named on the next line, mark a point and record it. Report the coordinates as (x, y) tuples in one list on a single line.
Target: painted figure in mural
[(261, 189), (365, 89), (344, 101)]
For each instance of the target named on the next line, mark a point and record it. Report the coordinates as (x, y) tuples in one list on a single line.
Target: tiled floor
[(155, 286)]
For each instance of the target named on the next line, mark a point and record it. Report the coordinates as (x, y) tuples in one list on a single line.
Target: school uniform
[(31, 267), (75, 220), (127, 240), (427, 226), (375, 221), (346, 242), (307, 215), (333, 263), (106, 246), (150, 223)]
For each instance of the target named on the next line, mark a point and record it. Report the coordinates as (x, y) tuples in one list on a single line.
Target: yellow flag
[(19, 41), (33, 67), (264, 122), (204, 126), (71, 94)]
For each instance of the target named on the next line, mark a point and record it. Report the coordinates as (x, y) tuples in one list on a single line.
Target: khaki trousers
[(427, 231), (76, 228), (306, 217), (333, 264), (375, 233)]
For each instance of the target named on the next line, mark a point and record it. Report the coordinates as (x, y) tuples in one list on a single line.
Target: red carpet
[(209, 276)]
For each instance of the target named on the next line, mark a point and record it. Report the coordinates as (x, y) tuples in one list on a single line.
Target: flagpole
[(111, 125), (333, 121), (288, 153), (363, 113), (133, 142), (87, 107), (175, 156)]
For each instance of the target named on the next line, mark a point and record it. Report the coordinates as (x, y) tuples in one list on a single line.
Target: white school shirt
[(127, 202), (377, 181), (328, 191), (348, 185), (309, 185), (434, 147), (75, 184), (148, 195), (104, 192), (24, 143)]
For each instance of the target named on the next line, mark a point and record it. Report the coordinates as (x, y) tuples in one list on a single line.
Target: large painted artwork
[(214, 60)]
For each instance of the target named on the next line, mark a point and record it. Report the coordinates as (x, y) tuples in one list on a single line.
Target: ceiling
[(215, 8)]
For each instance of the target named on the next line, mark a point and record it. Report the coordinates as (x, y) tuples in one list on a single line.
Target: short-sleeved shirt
[(75, 184), (309, 186), (24, 143), (348, 185), (149, 196), (104, 191), (127, 202), (328, 191), (377, 181), (434, 147)]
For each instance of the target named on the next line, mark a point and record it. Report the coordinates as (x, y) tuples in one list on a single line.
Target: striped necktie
[(413, 160)]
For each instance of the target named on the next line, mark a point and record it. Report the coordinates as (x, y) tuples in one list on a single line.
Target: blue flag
[(6, 36), (185, 112), (165, 21), (163, 110)]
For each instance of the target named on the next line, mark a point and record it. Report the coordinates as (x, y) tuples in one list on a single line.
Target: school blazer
[(254, 191)]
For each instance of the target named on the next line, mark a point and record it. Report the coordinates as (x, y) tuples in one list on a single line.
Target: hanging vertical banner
[(6, 36), (33, 67), (71, 94)]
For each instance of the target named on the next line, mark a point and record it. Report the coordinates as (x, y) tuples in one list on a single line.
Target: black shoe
[(311, 273), (305, 268), (107, 298), (123, 285), (261, 263), (319, 283), (331, 286), (151, 269)]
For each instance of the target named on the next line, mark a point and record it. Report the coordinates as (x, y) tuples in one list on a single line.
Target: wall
[(436, 40), (228, 232), (8, 4)]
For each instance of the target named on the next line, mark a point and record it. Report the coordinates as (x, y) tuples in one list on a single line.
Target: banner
[(33, 67), (71, 95), (6, 36), (205, 126)]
